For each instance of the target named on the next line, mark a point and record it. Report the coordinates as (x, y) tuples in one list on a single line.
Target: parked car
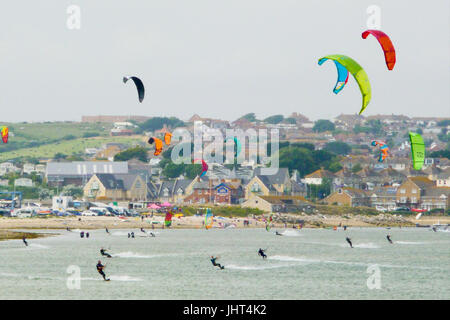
[(404, 209), (89, 213), (23, 213), (380, 208), (5, 212), (100, 211)]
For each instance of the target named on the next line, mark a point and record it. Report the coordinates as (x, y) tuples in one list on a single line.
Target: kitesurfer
[(25, 241), (132, 234), (106, 229), (278, 234), (349, 241), (104, 253), (82, 234), (262, 253), (213, 260), (100, 268), (389, 238)]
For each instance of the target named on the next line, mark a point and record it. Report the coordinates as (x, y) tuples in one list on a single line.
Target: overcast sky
[(218, 58)]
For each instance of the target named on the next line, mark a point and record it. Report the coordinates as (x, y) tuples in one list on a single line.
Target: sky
[(219, 59)]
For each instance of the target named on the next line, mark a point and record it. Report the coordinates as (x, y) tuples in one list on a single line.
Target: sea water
[(301, 264)]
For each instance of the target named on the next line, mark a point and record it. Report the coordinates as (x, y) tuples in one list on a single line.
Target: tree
[(59, 156), (274, 119), (356, 168), (139, 153), (250, 117), (157, 123), (323, 125), (173, 170), (338, 147)]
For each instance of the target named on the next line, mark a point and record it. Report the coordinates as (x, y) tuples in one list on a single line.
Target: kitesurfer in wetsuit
[(104, 253), (100, 268), (389, 238), (213, 260), (142, 229), (349, 241), (277, 233), (262, 253), (87, 234), (132, 234), (106, 229), (25, 241), (82, 234)]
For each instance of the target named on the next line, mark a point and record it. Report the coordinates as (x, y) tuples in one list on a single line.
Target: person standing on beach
[(100, 268)]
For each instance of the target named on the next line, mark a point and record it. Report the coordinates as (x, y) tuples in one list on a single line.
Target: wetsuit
[(25, 241), (106, 229), (389, 238), (103, 253), (132, 234), (262, 254), (277, 233), (142, 229), (82, 234), (100, 268), (152, 234), (87, 234), (213, 260), (349, 241)]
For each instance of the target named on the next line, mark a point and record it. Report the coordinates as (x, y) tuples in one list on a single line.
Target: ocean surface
[(301, 264)]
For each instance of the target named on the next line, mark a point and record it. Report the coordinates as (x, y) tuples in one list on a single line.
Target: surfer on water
[(349, 242), (104, 253), (100, 268), (389, 238), (25, 241), (213, 261), (262, 253)]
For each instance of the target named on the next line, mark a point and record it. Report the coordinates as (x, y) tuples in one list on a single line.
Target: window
[(413, 200), (403, 199), (402, 191), (414, 190), (255, 187)]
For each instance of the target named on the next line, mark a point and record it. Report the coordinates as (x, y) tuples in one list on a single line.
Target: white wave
[(124, 278), (291, 259), (37, 246), (236, 267), (409, 242), (291, 233), (130, 254), (369, 245)]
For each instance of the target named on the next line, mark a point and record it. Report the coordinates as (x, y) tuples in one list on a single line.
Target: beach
[(196, 222)]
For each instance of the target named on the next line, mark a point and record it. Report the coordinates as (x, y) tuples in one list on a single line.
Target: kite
[(204, 167), (357, 72), (139, 86), (238, 144), (384, 149), (5, 133), (417, 150), (386, 45), (168, 219), (208, 219), (167, 138), (268, 222), (158, 145)]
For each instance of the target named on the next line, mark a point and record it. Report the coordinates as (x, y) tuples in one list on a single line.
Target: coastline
[(196, 222)]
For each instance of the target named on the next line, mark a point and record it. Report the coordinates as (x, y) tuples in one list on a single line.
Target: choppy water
[(306, 264)]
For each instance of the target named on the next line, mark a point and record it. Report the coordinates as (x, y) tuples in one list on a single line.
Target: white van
[(23, 213), (100, 211)]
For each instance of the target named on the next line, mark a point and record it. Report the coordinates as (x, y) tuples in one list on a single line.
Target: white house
[(28, 168), (23, 182)]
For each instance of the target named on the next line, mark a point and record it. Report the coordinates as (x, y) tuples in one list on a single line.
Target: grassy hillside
[(44, 140)]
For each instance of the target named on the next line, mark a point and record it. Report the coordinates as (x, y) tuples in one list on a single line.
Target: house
[(23, 182), (348, 197), (280, 203), (106, 186), (8, 167), (228, 193), (265, 185), (174, 191), (79, 172), (421, 192), (318, 176), (385, 197), (28, 168)]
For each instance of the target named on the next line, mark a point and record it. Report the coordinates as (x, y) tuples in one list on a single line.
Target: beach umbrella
[(166, 204), (154, 206)]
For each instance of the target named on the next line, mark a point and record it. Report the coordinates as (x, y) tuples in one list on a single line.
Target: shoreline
[(196, 222)]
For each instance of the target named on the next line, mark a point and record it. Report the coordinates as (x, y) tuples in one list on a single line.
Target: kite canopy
[(204, 167), (168, 219), (208, 219), (383, 148), (342, 78), (386, 45), (139, 86), (4, 133), (167, 138), (417, 150), (158, 145), (357, 72), (238, 144)]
